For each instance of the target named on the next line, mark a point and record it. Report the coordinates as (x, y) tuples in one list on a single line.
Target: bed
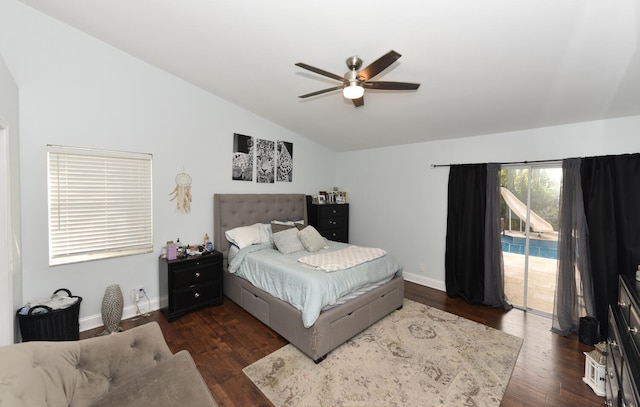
[(334, 326)]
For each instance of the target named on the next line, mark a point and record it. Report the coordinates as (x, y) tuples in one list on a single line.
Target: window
[(100, 204)]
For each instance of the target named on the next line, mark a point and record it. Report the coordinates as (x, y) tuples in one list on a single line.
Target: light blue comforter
[(306, 289)]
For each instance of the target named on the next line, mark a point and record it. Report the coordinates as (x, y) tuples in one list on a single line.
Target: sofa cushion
[(171, 383), (81, 373)]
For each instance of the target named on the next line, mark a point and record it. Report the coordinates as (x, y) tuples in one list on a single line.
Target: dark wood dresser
[(331, 220), (623, 347), (190, 283)]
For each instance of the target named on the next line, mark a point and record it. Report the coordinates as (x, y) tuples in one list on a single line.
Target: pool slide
[(537, 223)]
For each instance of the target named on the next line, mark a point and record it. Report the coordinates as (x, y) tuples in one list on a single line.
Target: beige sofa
[(131, 368)]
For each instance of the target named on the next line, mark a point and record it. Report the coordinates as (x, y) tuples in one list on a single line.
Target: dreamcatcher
[(182, 192)]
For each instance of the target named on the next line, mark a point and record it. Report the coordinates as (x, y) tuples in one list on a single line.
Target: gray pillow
[(287, 241), (280, 226), (311, 239)]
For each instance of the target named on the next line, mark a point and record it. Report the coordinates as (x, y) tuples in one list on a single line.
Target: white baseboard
[(95, 321), (426, 281)]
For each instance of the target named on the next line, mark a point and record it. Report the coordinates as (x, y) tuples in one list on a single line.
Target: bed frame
[(333, 327)]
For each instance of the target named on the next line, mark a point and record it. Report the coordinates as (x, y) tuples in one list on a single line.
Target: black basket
[(53, 325)]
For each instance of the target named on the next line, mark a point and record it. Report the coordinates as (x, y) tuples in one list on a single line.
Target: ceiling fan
[(356, 81)]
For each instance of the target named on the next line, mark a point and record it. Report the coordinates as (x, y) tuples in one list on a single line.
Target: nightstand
[(331, 220), (190, 283)]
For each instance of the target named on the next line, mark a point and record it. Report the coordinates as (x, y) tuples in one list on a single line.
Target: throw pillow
[(311, 239), (287, 241), (278, 226)]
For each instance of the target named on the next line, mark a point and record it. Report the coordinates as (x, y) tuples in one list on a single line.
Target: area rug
[(417, 356)]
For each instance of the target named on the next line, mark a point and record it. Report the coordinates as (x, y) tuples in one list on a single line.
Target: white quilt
[(342, 259)]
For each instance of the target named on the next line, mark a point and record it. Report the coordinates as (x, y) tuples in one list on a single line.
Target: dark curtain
[(493, 263), (464, 256), (574, 288), (611, 193)]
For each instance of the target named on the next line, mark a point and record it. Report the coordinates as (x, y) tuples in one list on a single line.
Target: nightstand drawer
[(194, 296), (192, 275)]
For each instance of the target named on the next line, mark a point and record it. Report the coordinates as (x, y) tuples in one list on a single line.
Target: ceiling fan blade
[(320, 92), (378, 65), (391, 85), (358, 102), (321, 72)]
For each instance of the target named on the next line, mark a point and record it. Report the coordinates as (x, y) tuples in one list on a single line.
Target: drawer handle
[(334, 211), (196, 295), (633, 330), (334, 222), (197, 274), (334, 235)]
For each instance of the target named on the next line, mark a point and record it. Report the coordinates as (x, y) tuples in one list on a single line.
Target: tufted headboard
[(233, 210)]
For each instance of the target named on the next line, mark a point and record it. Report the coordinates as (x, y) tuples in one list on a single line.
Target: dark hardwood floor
[(225, 339)]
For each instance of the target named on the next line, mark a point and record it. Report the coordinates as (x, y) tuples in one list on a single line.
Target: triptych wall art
[(273, 161)]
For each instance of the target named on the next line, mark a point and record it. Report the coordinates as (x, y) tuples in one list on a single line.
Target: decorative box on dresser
[(190, 283), (623, 347), (331, 220)]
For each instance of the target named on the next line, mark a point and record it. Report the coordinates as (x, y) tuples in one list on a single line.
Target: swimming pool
[(538, 248)]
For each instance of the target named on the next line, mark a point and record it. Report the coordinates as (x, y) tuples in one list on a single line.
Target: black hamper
[(53, 325), (589, 331)]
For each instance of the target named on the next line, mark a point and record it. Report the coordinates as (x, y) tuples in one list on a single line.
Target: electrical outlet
[(422, 268), (138, 292)]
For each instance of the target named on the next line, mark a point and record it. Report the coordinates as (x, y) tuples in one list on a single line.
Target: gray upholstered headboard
[(233, 210)]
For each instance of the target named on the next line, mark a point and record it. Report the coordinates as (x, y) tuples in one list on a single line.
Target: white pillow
[(311, 239), (233, 251), (265, 233), (287, 241), (244, 236)]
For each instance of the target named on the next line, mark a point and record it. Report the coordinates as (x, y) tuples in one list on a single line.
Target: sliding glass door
[(530, 209)]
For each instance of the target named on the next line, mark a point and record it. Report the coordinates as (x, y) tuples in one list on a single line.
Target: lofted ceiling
[(484, 66)]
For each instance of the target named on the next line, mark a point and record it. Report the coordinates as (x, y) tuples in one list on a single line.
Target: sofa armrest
[(176, 382)]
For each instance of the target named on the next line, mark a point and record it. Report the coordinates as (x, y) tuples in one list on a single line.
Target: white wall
[(75, 90), (400, 203), (10, 230)]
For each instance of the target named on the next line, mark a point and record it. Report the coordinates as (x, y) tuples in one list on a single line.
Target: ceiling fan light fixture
[(353, 91)]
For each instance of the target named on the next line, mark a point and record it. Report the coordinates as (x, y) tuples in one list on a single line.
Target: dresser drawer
[(634, 326), (614, 361), (333, 211), (629, 393), (338, 235), (611, 386), (624, 301), (333, 223)]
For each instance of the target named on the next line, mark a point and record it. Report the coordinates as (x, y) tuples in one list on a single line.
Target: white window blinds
[(100, 204)]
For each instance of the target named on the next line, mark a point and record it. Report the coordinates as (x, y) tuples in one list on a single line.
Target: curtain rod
[(502, 163)]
